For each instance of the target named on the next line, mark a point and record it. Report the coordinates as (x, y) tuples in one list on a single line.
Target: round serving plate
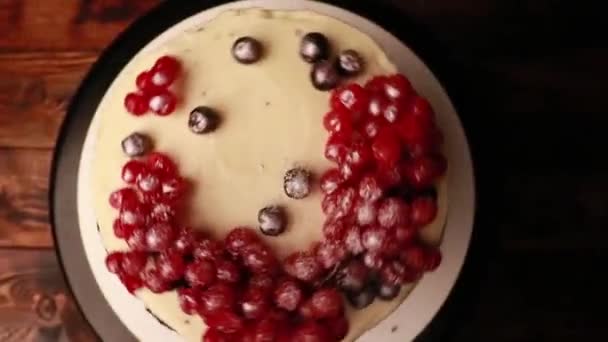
[(118, 316)]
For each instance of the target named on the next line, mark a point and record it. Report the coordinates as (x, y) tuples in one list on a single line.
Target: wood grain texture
[(34, 304), (24, 219), (35, 88), (60, 25)]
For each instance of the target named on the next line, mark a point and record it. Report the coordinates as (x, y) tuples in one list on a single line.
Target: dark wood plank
[(23, 198), (35, 89), (56, 25), (34, 302)]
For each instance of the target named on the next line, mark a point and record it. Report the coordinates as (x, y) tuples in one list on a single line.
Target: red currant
[(330, 181), (352, 97), (326, 303), (393, 212), (424, 171), (114, 262), (398, 87), (131, 170), (224, 321), (376, 85), (169, 65), (132, 283), (136, 103), (352, 240), (188, 298), (303, 266), (336, 148), (125, 197), (387, 147), (144, 82), (160, 236), (162, 164), (171, 265), (374, 238), (338, 121), (201, 273), (377, 105), (208, 249), (238, 238), (329, 253), (134, 262), (228, 271), (163, 103), (219, 296), (288, 295), (423, 211), (254, 303)]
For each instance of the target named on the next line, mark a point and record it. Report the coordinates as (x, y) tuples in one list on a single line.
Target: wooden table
[(533, 77)]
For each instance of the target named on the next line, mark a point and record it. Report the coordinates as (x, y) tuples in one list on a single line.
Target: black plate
[(63, 201)]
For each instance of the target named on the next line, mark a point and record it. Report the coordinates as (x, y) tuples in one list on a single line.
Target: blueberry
[(314, 47), (388, 291), (324, 75), (203, 120), (349, 63), (296, 183), (361, 300), (247, 50), (272, 220), (136, 144)]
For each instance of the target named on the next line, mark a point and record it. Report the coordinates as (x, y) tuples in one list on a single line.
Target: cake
[(291, 127)]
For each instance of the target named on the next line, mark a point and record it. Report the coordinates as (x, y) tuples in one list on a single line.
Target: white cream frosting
[(272, 121)]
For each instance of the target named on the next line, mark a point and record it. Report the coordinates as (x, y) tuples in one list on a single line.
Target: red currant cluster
[(153, 93), (386, 145), (237, 285)]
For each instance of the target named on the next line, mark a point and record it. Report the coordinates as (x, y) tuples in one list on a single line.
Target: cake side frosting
[(272, 121)]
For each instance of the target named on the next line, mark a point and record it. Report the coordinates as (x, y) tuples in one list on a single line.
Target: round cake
[(290, 126)]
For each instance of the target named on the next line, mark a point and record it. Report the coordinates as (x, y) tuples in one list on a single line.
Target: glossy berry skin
[(336, 148), (326, 303), (393, 212), (314, 47), (369, 188), (120, 231), (224, 321), (424, 171), (131, 171), (353, 240), (262, 281), (337, 327), (350, 63), (239, 238), (388, 292), (185, 241), (144, 82), (114, 262), (137, 240), (131, 283), (338, 120), (334, 230), (207, 249), (258, 258), (387, 147), (136, 103), (272, 220), (168, 64), (310, 331), (228, 271), (163, 103), (303, 266), (324, 75), (361, 300), (133, 262), (126, 197), (353, 276), (423, 211), (398, 87), (171, 265), (212, 335), (329, 253), (373, 260), (159, 237), (351, 97), (201, 273), (161, 164), (288, 295), (153, 280), (374, 238), (247, 50), (254, 304), (330, 181), (188, 299), (220, 296)]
